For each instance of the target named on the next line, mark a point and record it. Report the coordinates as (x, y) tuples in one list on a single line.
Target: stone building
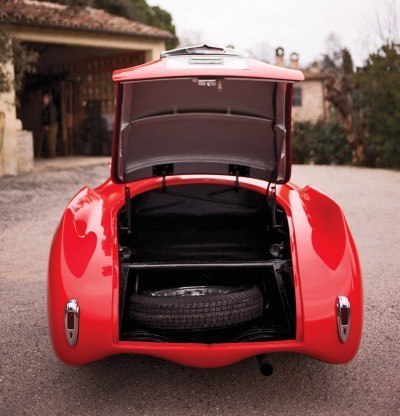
[(309, 102), (78, 50)]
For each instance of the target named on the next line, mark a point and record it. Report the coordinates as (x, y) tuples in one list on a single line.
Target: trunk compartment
[(207, 234)]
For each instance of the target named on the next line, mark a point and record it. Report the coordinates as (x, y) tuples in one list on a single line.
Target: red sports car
[(198, 249)]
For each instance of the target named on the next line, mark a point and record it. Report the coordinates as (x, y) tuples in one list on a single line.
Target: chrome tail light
[(72, 321), (343, 317)]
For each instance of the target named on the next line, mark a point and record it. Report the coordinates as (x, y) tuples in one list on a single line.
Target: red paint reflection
[(79, 246), (326, 220)]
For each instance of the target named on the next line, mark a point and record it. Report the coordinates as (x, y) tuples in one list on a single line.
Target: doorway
[(79, 80)]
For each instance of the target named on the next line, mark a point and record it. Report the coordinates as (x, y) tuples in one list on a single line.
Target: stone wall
[(8, 143)]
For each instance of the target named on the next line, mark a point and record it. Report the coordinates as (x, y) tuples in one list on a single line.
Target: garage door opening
[(78, 79)]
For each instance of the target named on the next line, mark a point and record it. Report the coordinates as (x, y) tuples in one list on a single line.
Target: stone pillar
[(8, 141), (294, 60), (148, 55), (25, 149), (154, 53)]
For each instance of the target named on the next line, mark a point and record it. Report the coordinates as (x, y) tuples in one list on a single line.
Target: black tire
[(196, 312)]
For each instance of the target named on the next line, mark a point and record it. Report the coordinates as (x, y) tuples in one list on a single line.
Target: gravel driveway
[(34, 382)]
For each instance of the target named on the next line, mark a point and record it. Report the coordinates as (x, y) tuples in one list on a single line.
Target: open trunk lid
[(203, 111)]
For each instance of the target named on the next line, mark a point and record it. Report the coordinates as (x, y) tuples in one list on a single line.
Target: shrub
[(320, 143), (379, 97)]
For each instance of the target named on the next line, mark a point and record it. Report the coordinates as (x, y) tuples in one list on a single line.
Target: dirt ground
[(34, 382)]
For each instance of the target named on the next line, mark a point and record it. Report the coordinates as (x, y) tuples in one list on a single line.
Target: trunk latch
[(239, 170), (164, 170)]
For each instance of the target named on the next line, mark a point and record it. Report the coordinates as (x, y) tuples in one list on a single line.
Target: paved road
[(34, 382)]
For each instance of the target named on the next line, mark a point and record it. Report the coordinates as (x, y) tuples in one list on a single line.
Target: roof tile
[(41, 13)]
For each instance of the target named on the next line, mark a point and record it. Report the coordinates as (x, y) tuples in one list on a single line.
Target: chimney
[(314, 68), (279, 56), (294, 60)]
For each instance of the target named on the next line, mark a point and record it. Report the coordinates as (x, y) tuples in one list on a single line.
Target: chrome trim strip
[(71, 321), (343, 317), (203, 49)]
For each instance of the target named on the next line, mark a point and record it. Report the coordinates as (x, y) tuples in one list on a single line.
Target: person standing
[(49, 126)]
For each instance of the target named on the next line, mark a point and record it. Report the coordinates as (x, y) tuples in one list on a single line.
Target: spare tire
[(194, 308)]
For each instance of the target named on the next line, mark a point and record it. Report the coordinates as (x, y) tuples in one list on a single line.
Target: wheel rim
[(193, 291)]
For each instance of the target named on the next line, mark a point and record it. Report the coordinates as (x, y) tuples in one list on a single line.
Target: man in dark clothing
[(49, 125)]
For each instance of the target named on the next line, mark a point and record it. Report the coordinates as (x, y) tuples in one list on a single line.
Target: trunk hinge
[(271, 197), (128, 210)]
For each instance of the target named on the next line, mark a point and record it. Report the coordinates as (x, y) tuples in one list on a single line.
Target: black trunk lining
[(190, 235), (193, 223)]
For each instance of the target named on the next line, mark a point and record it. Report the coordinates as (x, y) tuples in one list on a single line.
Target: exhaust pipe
[(265, 366)]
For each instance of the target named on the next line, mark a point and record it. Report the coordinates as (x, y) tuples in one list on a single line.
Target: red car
[(198, 249)]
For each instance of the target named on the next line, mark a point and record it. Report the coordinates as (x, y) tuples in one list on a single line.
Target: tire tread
[(184, 313)]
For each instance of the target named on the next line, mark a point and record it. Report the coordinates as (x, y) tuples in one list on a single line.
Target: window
[(297, 97)]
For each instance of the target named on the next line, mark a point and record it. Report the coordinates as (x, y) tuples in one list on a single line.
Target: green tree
[(156, 16), (5, 58), (379, 97), (341, 92), (24, 60), (367, 102)]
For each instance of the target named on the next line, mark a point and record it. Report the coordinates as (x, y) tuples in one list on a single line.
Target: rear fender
[(82, 266), (328, 266)]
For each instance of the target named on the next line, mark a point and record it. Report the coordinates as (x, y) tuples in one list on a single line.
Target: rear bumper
[(219, 355), (206, 356)]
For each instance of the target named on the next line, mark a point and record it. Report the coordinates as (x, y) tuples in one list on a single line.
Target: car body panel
[(159, 69), (84, 265)]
